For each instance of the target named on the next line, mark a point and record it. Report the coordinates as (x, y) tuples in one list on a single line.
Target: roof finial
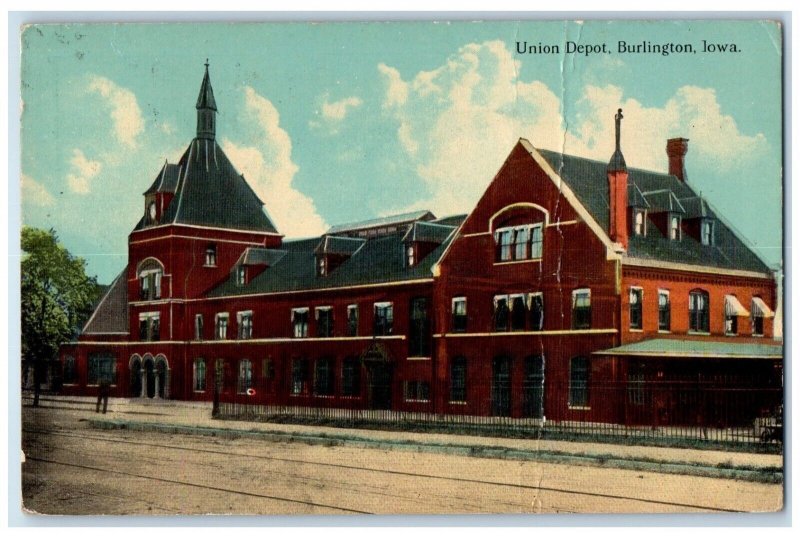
[(618, 120)]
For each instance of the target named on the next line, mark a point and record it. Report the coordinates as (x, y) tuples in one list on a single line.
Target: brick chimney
[(676, 151), (617, 172)]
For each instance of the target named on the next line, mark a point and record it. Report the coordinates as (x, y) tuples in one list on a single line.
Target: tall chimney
[(676, 151), (617, 172)]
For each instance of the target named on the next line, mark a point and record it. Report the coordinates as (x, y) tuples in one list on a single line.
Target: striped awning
[(761, 308), (733, 307)]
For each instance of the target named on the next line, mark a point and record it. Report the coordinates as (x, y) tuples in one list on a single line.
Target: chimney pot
[(676, 151)]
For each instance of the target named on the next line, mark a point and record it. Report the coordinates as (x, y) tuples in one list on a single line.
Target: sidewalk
[(195, 418)]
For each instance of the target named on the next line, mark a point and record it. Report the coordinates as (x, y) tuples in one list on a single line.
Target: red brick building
[(569, 276)]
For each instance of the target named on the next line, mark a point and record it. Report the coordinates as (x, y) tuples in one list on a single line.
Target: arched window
[(150, 273), (211, 255), (698, 311)]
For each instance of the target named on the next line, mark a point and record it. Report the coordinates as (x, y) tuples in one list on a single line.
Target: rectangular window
[(70, 373), (144, 287), (536, 241), (733, 309), (504, 238), (458, 380), (300, 322), (459, 308), (323, 377), (211, 255), (521, 242), (324, 315), (533, 387), (384, 319), (102, 368), (419, 337), (636, 384), (698, 311), (674, 227), (536, 308), (219, 373), (663, 310), (198, 326), (582, 309), (149, 326), (579, 382), (351, 377), (352, 320), (299, 376), (221, 325), (519, 312), (707, 232), (150, 285), (639, 222), (244, 321), (635, 301), (199, 375), (245, 376), (501, 312), (241, 275), (417, 391)]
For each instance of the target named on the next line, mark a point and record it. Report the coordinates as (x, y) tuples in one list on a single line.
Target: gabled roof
[(392, 220), (636, 198), (588, 180), (451, 220), (663, 200), (210, 192), (696, 207), (166, 180), (428, 232), (111, 312), (260, 256), (346, 246)]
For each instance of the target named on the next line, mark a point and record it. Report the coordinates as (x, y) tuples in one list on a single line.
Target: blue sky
[(336, 122)]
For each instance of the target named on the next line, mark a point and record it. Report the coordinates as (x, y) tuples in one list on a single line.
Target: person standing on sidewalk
[(102, 394)]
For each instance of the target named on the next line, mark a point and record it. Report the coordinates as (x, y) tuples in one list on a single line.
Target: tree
[(56, 295)]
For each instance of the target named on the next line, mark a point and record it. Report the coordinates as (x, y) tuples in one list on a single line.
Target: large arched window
[(150, 273), (698, 311)]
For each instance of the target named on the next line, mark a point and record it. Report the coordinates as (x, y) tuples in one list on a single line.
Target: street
[(71, 468)]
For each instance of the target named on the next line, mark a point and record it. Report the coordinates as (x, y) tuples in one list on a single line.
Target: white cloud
[(82, 172), (35, 193), (270, 171), (125, 112), (458, 122), (333, 114)]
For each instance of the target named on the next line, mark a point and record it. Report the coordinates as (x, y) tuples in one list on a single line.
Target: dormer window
[(241, 275), (639, 222), (152, 212), (707, 232), (211, 255), (410, 256), (322, 266), (674, 228)]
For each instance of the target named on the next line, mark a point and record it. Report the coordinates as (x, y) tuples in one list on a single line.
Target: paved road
[(72, 469)]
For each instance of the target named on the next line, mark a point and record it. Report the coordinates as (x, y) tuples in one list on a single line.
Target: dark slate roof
[(206, 97), (331, 244), (452, 220), (677, 348), (111, 313), (695, 207), (380, 260), (428, 232), (210, 192), (166, 180), (663, 200), (588, 180), (260, 256), (403, 218), (636, 198)]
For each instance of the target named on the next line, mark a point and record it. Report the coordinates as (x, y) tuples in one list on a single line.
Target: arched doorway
[(135, 368), (162, 377), (149, 376)]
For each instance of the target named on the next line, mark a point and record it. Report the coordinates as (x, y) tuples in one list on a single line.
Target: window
[(352, 320), (698, 311), (533, 387), (501, 312), (417, 391), (707, 232), (419, 338), (410, 256), (518, 312), (300, 322), (536, 241), (299, 376), (241, 275), (102, 368), (323, 377), (322, 266), (639, 222), (199, 375), (733, 309), (458, 379), (324, 315), (731, 324), (536, 308), (459, 308), (351, 377), (663, 310), (384, 319), (245, 376), (149, 327), (267, 369), (219, 373), (579, 382), (70, 373), (198, 326), (221, 324), (758, 311), (244, 321), (582, 309), (675, 227), (504, 239), (636, 384), (211, 255), (635, 301), (521, 242), (150, 284)]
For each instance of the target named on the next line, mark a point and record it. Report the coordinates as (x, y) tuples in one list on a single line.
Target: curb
[(769, 475)]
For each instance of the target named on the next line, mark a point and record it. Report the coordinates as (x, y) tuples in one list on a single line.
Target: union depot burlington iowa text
[(574, 291)]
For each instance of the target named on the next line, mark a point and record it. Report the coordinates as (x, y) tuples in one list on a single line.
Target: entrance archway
[(149, 377), (135, 370), (162, 377)]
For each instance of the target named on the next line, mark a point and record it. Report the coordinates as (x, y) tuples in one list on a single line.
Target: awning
[(733, 307), (696, 349), (761, 308)]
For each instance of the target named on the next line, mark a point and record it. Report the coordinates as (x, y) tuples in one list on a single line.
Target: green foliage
[(56, 294)]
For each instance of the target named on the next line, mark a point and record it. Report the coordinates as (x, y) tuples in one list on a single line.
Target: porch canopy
[(674, 348)]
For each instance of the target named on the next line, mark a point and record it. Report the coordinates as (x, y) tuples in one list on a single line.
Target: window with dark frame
[(698, 311), (417, 391), (505, 238), (536, 241), (300, 322), (458, 379), (663, 311), (245, 325), (211, 255), (221, 327), (533, 387), (299, 376), (150, 285), (199, 375), (324, 317), (419, 337), (516, 243), (323, 377), (501, 313), (241, 275), (521, 243), (707, 232), (459, 307), (351, 377), (519, 312), (102, 367), (579, 382), (675, 228), (245, 376), (731, 316), (219, 373), (536, 309), (410, 256), (639, 222), (198, 326), (383, 319), (149, 327), (582, 309), (352, 320), (635, 301), (756, 318)]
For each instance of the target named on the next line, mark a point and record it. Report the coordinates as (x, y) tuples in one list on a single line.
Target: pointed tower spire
[(206, 109)]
